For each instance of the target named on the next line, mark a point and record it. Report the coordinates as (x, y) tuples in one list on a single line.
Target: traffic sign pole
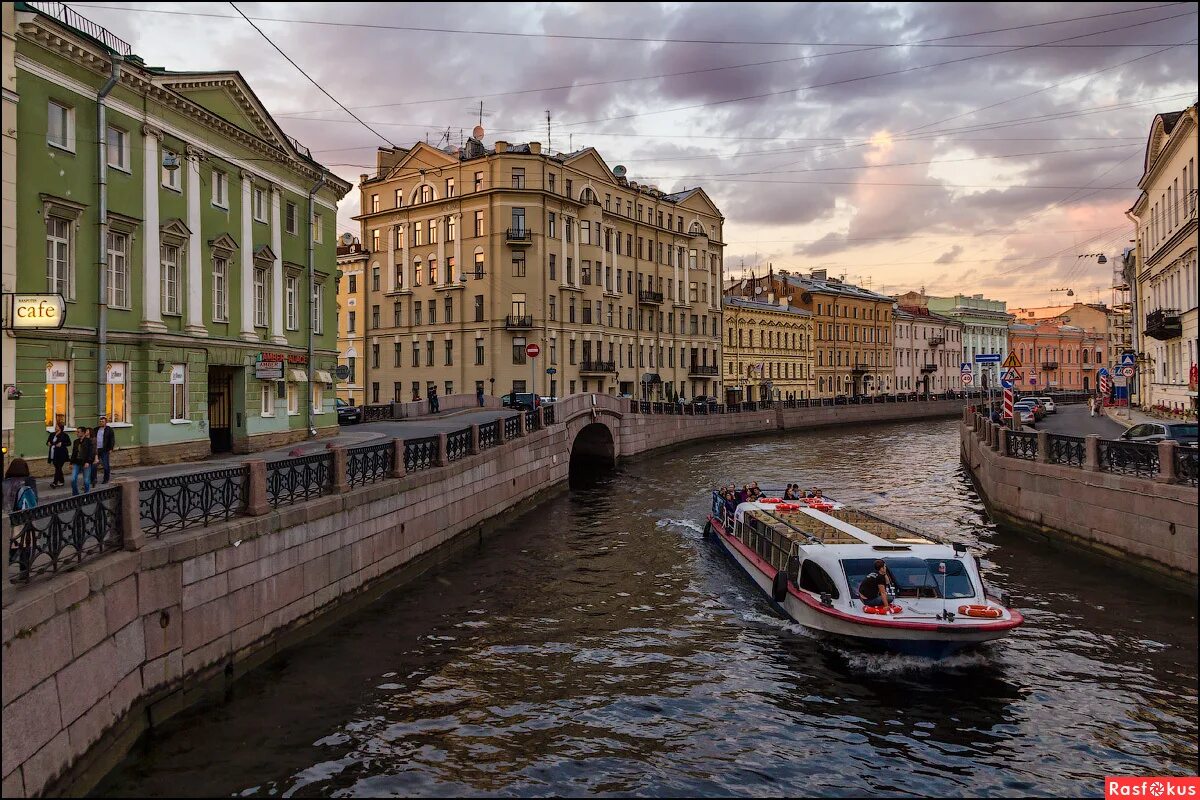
[(1008, 403), (532, 351)]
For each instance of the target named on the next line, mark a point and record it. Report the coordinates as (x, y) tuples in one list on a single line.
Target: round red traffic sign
[(532, 350)]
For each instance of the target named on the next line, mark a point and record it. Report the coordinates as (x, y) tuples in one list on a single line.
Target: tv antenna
[(547, 130)]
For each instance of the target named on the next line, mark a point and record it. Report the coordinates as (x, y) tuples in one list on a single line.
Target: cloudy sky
[(968, 147)]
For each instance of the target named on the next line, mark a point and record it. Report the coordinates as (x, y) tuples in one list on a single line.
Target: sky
[(955, 147)]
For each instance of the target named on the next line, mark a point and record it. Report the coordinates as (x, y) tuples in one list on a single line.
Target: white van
[(1048, 404)]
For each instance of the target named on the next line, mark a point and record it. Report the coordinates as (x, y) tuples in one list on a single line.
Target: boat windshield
[(915, 577)]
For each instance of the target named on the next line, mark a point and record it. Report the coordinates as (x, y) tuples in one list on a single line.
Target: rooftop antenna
[(481, 113), (570, 143), (547, 130)]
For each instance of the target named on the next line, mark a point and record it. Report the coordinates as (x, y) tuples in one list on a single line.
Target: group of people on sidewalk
[(88, 454)]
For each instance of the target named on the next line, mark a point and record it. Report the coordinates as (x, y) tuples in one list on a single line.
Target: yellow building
[(351, 317), (481, 252), (768, 350)]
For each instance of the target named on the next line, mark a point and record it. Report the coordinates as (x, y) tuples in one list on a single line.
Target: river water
[(599, 644)]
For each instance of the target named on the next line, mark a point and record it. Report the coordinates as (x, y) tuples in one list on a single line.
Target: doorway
[(220, 409)]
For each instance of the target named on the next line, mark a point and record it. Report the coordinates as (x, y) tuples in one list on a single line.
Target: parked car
[(1185, 434), (1039, 410), (1048, 404), (348, 414), (548, 400), (521, 401), (703, 400), (1026, 413)]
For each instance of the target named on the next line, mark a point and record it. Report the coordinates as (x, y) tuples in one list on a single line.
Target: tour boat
[(809, 557)]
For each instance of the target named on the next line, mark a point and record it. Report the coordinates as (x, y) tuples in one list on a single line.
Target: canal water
[(599, 644)]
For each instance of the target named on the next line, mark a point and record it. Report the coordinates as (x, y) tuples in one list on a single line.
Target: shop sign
[(58, 373), (290, 358), (268, 370), (115, 371), (178, 371), (34, 311)]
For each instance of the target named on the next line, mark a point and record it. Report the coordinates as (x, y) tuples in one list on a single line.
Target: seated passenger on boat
[(793, 492), (873, 591)]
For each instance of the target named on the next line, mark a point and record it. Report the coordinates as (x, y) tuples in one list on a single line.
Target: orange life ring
[(770, 500), (985, 612), (787, 507), (821, 506), (894, 609)]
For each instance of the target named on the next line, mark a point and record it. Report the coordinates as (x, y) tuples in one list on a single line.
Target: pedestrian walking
[(83, 458), (479, 395), (106, 442), (59, 444), (433, 399), (20, 489)]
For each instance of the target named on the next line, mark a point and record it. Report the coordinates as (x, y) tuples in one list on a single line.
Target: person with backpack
[(20, 489), (83, 457)]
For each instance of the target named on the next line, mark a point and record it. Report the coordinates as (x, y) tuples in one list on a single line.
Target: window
[(518, 350), (433, 231), (449, 353), (58, 377), (316, 228), (318, 309), (374, 316), (259, 197), (417, 313), (479, 266), (432, 311), (116, 398), (397, 355), (118, 270), (448, 305), (426, 194), (518, 265), (375, 355), (479, 181), (118, 148), (518, 304), (220, 189), (60, 126), (179, 392), (429, 353), (553, 308), (171, 178), (293, 399), (416, 354), (518, 221), (585, 232), (374, 203), (449, 187), (451, 227), (220, 276), (260, 298), (479, 223), (479, 352), (551, 228), (567, 184), (553, 267), (433, 276), (291, 218), (418, 230), (266, 400), (479, 308), (518, 178), (291, 293), (169, 275), (58, 256), (399, 198), (375, 279)]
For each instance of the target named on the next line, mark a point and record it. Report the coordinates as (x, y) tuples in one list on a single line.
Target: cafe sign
[(34, 311)]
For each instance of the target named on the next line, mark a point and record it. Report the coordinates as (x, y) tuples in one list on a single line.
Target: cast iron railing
[(489, 432), (65, 533), (374, 413), (548, 415), (369, 464), (1022, 445), (518, 322), (458, 445), (292, 479), (194, 500), (512, 427), (1129, 458), (531, 421), (1185, 464), (1068, 450), (420, 453)]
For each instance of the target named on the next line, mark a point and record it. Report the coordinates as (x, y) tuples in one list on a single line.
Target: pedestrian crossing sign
[(1012, 362), (1127, 360)]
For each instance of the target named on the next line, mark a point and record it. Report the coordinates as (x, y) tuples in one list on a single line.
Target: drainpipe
[(102, 300), (312, 193)]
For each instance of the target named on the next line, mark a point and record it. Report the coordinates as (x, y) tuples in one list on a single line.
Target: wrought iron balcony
[(860, 367), (598, 366), (929, 368), (1049, 366), (522, 323), (646, 296), (519, 236), (1163, 324), (703, 369), (934, 341)]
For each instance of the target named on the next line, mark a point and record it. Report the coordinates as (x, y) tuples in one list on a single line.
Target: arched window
[(587, 196), (425, 194), (696, 229)]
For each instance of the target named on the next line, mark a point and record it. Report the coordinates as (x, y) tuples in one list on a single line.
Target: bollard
[(1043, 447), (257, 502), (341, 482), (131, 515), (1166, 461), (441, 460), (1091, 452), (474, 448), (398, 467)]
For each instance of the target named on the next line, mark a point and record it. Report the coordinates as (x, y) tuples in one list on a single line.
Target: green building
[(201, 300)]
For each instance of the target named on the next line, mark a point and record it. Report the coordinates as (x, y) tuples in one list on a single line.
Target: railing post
[(1001, 441), (257, 502), (521, 424), (1043, 447), (131, 515), (441, 460), (541, 418), (474, 448), (996, 436), (1166, 461), (341, 482), (1091, 452), (500, 431), (398, 468)]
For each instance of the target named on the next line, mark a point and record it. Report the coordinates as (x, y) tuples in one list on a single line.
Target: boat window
[(914, 577), (815, 579), (956, 580)]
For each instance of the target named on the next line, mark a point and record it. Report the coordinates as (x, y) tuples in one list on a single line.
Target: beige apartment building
[(768, 353), (351, 316), (928, 349), (476, 253)]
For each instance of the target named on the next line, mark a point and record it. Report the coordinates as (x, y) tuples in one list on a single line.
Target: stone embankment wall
[(93, 657), (1143, 522)]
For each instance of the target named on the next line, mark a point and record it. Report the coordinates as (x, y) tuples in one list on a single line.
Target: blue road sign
[(987, 358), (1127, 360), (1006, 384), (964, 366), (1104, 373)]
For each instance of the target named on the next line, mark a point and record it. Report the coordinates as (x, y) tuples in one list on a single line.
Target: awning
[(323, 376), (298, 375)]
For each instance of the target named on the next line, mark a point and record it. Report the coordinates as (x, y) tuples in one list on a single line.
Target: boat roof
[(847, 531)]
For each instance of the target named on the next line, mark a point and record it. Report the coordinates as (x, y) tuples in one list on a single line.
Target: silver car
[(1048, 404), (1185, 434)]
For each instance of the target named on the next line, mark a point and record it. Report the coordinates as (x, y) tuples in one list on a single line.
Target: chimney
[(819, 274), (501, 147), (771, 298), (535, 148), (783, 301)]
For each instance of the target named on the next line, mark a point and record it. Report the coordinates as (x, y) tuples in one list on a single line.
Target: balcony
[(1163, 324), (703, 369), (519, 237), (1049, 366), (1087, 367), (594, 367), (929, 368), (859, 368), (645, 296), (518, 323), (934, 341)]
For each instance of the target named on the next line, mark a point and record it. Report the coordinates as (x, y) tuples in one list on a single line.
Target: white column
[(247, 250), (277, 334), (407, 262), (194, 288), (389, 263), (675, 274), (441, 248), (579, 223), (151, 255), (687, 274), (562, 248), (458, 265)]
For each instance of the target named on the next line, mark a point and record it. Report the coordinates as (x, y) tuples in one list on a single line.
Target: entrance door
[(220, 409), (1087, 385)]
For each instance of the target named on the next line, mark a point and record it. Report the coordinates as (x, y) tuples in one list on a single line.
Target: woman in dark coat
[(60, 453), (83, 455)]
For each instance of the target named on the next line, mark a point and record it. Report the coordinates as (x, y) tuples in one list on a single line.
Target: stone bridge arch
[(594, 436)]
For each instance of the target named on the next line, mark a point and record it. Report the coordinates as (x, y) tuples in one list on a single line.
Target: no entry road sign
[(532, 350)]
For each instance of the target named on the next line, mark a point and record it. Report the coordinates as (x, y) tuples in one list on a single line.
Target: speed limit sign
[(966, 379)]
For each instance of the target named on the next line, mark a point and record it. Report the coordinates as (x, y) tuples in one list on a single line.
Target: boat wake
[(690, 528), (897, 663)]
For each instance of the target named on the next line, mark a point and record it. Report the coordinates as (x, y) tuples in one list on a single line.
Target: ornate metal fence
[(293, 479), (512, 427), (195, 500), (1185, 465), (489, 432), (420, 453), (61, 535), (1022, 445), (458, 444), (1129, 458), (1068, 450), (531, 421), (548, 414), (378, 412), (369, 464)]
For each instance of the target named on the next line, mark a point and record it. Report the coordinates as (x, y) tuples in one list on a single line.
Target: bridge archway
[(593, 454)]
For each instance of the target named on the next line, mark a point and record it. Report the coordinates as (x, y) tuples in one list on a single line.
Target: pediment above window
[(265, 253), (223, 246), (174, 232)]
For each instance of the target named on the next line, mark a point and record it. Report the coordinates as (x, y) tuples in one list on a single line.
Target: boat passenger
[(815, 493), (873, 591), (755, 492), (743, 494)]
